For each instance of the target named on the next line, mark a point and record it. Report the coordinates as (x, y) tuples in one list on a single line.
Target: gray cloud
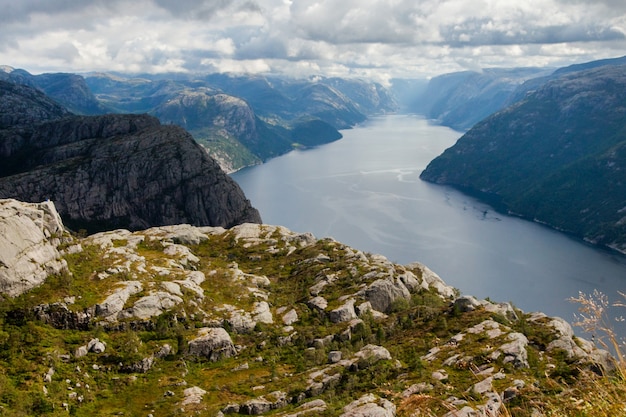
[(474, 33), (22, 11), (205, 9), (65, 52), (195, 9), (352, 37), (613, 6)]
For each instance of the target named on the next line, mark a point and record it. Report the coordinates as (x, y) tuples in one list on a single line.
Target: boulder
[(464, 412), (344, 313), (59, 316), (96, 346), (29, 234), (317, 303), (262, 405), (371, 354), (183, 253), (240, 321), (213, 344), (290, 317), (383, 292), (334, 356), (142, 366), (261, 312), (80, 352), (466, 304), (369, 406)]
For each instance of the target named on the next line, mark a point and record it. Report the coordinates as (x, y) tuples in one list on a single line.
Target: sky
[(376, 39)]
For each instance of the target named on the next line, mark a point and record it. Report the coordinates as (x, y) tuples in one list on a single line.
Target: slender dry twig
[(593, 319)]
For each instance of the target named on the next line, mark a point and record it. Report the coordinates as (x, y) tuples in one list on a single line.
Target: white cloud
[(381, 38)]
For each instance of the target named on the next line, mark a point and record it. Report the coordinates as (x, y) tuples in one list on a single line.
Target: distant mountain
[(70, 90), (558, 156), (461, 99), (340, 102), (245, 120), (111, 171)]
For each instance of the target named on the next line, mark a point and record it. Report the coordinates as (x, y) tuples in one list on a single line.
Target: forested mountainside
[(259, 320), (558, 156), (111, 171)]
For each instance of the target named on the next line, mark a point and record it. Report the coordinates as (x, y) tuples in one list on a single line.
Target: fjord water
[(364, 190)]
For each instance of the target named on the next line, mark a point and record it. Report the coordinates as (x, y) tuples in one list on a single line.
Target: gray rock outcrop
[(29, 235)]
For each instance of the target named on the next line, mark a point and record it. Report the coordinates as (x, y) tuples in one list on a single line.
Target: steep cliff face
[(22, 105), (557, 156), (118, 171), (28, 245)]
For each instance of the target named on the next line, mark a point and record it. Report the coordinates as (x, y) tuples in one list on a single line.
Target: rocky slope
[(259, 320), (113, 171), (557, 157)]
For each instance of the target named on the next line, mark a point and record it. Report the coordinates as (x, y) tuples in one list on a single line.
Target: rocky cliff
[(557, 156), (259, 320), (116, 171)]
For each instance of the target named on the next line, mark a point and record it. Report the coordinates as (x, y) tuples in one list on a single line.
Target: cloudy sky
[(365, 38)]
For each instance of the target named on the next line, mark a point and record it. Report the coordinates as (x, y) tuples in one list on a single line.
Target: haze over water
[(364, 190)]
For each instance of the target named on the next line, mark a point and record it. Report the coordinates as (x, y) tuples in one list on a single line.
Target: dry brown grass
[(593, 318)]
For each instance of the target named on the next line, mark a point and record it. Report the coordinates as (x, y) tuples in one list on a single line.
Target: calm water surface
[(364, 190)]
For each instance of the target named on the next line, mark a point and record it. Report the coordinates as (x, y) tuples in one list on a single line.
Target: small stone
[(440, 375)]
